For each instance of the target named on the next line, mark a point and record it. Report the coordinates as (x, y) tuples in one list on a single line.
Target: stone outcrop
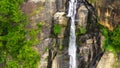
[(89, 46), (108, 12), (42, 11), (53, 49), (107, 61), (82, 16), (61, 19)]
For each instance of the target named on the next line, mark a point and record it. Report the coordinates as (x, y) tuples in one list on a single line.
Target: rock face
[(107, 61), (42, 11), (108, 12), (54, 48), (89, 46), (61, 19), (82, 16)]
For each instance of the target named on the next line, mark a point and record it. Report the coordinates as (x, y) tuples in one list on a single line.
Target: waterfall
[(72, 38)]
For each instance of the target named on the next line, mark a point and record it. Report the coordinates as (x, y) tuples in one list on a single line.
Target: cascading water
[(72, 38)]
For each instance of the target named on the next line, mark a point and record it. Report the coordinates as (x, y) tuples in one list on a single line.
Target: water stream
[(72, 38)]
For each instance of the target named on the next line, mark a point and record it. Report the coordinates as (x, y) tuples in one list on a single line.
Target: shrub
[(115, 39), (13, 41), (57, 29)]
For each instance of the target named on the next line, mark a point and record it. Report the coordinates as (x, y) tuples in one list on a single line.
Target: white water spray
[(72, 38)]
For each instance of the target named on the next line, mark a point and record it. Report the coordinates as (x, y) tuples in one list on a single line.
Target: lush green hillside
[(15, 47)]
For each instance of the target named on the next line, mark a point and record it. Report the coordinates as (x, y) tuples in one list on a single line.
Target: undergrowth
[(15, 40)]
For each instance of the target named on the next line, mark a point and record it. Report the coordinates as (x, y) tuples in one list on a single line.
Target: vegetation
[(112, 39), (57, 29), (81, 31), (91, 1), (15, 40), (115, 39), (105, 32)]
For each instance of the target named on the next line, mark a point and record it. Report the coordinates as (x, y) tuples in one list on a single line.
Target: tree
[(13, 42)]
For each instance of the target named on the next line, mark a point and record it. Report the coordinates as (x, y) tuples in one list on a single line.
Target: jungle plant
[(115, 39), (112, 40), (14, 43)]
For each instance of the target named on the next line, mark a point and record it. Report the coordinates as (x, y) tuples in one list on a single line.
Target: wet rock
[(61, 60), (89, 43), (89, 50)]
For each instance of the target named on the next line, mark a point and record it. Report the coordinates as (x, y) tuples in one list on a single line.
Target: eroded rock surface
[(89, 43), (107, 61)]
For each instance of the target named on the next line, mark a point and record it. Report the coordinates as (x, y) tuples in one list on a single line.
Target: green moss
[(82, 30), (60, 47), (106, 40), (91, 1), (57, 29), (37, 11)]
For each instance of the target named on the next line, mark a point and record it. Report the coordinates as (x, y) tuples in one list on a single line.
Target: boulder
[(107, 60), (61, 19), (82, 16)]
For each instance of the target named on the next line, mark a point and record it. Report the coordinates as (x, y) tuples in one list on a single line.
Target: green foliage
[(57, 29), (105, 32), (2, 56), (12, 64), (110, 48), (37, 11), (115, 39), (106, 42), (91, 1), (60, 47), (112, 39), (28, 56), (82, 30), (15, 39)]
